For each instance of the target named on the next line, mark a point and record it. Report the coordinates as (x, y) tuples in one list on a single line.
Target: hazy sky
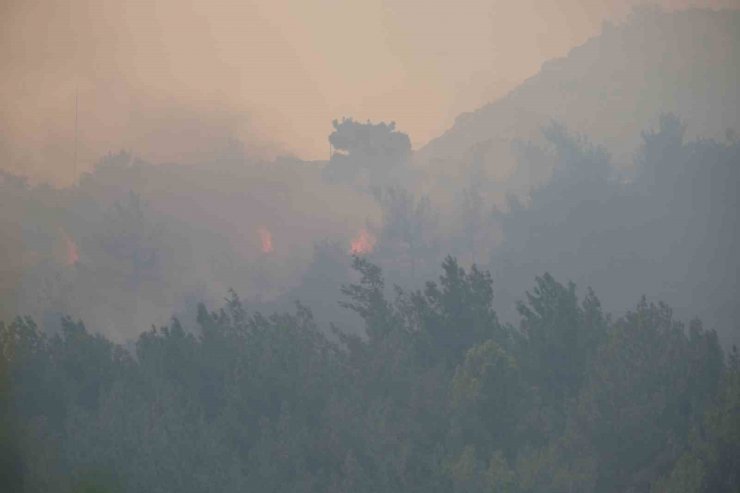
[(175, 79)]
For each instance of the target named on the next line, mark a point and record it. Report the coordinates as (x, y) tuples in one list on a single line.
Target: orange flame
[(265, 239), (363, 243), (72, 252)]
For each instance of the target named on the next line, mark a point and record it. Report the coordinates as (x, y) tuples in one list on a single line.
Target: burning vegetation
[(363, 243), (265, 240)]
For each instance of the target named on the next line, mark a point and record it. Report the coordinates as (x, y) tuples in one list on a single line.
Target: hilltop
[(611, 88)]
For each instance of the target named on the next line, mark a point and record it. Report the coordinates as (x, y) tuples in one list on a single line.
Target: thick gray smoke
[(617, 195)]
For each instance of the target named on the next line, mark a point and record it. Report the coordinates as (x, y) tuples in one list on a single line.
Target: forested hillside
[(387, 319), (438, 395), (611, 87)]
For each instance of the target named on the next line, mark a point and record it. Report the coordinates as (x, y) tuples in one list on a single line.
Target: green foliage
[(712, 460), (94, 482), (436, 396), (10, 460), (488, 397), (560, 337), (369, 152), (367, 138)]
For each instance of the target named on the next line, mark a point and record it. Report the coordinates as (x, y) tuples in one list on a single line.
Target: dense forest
[(437, 395), (135, 242), (405, 385)]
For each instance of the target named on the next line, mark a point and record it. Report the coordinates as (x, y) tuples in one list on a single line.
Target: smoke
[(151, 78), (209, 94), (174, 82)]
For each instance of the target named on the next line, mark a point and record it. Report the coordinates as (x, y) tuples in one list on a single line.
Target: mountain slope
[(610, 88)]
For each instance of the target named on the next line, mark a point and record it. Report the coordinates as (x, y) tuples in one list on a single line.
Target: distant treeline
[(436, 395), (134, 243)]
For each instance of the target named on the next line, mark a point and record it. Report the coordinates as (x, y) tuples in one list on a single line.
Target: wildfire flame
[(72, 252), (265, 239), (363, 243)]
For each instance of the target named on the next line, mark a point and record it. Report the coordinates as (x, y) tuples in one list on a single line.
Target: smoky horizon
[(369, 247)]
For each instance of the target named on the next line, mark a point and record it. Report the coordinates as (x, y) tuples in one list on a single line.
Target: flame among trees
[(363, 243), (72, 252), (265, 240)]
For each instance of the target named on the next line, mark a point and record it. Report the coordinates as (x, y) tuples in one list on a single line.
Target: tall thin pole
[(74, 175)]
